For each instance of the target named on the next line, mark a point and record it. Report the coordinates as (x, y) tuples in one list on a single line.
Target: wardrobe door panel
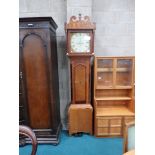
[(35, 66)]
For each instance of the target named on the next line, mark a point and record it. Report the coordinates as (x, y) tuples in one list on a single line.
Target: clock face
[(80, 42)]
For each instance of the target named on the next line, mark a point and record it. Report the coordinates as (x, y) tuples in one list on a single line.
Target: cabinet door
[(110, 126), (104, 73), (35, 67), (124, 72)]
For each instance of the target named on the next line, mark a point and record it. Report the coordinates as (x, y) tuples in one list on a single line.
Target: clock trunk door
[(80, 81)]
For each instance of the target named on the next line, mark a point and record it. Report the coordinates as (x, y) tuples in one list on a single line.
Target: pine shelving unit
[(113, 95)]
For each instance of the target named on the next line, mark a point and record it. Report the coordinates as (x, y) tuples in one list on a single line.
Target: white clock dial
[(80, 42)]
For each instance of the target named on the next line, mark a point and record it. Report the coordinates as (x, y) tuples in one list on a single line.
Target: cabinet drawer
[(129, 119), (102, 131), (115, 131), (112, 126), (116, 121), (102, 122)]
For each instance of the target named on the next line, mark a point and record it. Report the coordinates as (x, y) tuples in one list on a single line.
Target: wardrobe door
[(37, 83)]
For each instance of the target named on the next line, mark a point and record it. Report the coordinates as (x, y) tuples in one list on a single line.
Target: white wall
[(115, 21)]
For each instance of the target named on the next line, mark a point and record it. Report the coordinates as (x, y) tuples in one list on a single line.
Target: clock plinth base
[(80, 118)]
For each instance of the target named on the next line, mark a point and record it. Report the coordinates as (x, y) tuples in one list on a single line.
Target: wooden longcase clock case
[(80, 49)]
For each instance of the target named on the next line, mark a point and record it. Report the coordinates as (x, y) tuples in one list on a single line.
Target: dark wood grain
[(39, 68)]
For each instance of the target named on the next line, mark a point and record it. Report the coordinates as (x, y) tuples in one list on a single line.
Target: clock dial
[(80, 42)]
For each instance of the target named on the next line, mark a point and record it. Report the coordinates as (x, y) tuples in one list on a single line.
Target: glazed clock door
[(80, 81)]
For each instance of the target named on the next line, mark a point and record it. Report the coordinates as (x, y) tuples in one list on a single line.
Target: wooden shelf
[(111, 87), (113, 111), (81, 106), (123, 87), (122, 69), (104, 87), (111, 70), (104, 69), (112, 98)]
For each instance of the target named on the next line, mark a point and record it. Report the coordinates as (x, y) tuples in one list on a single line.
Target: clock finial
[(79, 16), (79, 22)]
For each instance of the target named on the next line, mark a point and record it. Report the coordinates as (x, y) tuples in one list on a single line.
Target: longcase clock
[(80, 49)]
